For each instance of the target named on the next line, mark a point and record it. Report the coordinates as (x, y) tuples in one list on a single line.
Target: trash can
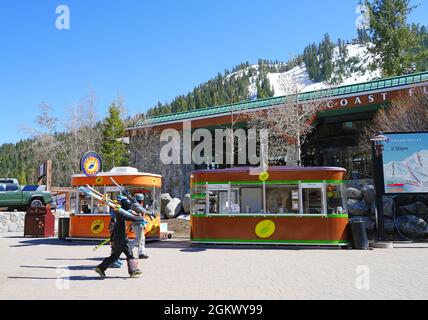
[(63, 228), (358, 235)]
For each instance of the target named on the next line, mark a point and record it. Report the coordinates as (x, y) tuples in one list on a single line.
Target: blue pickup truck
[(14, 196)]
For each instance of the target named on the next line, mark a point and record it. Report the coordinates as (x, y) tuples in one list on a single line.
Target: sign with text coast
[(405, 163)]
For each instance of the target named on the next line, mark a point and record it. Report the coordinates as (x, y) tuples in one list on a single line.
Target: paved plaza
[(54, 269)]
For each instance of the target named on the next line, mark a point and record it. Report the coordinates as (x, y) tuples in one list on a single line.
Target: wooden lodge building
[(334, 142)]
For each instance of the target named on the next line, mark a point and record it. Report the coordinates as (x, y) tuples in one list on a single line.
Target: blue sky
[(147, 51)]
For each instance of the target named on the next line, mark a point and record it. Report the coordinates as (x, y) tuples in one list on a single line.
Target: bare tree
[(406, 114), (145, 146), (289, 124)]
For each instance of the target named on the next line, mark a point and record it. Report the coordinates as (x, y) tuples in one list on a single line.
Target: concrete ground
[(54, 269)]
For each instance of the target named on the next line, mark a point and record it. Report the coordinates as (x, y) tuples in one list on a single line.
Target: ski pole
[(101, 244)]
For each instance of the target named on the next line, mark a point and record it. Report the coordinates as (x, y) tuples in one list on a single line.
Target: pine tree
[(113, 151), (394, 42)]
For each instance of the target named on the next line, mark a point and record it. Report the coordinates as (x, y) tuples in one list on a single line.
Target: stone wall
[(12, 221)]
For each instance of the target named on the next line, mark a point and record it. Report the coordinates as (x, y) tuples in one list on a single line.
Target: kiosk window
[(312, 200), (199, 197), (252, 200), (335, 204), (282, 199), (219, 201)]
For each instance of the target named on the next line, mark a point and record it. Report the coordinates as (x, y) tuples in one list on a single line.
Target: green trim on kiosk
[(284, 182), (294, 242), (273, 216)]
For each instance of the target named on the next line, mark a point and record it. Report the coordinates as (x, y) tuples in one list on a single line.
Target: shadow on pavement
[(74, 259), (73, 278), (73, 268), (52, 242)]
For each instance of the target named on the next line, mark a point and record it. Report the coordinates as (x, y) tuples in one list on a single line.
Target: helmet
[(139, 197), (125, 204)]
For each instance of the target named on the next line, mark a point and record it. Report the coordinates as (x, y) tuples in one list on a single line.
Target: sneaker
[(143, 256), (136, 273), (116, 265), (101, 273)]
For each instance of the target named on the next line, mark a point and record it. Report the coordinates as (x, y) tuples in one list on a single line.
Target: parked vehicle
[(14, 196)]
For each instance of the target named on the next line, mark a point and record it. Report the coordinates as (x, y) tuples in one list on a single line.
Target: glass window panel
[(335, 203), (251, 199), (282, 199), (312, 201)]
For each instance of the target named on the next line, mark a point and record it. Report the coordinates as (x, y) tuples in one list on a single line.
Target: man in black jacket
[(120, 242)]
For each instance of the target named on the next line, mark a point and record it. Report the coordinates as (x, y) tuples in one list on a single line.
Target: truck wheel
[(36, 203)]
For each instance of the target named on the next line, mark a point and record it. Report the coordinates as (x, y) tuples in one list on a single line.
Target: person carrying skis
[(138, 228), (120, 242)]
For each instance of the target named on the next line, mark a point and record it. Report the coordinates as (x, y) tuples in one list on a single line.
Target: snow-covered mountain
[(349, 68)]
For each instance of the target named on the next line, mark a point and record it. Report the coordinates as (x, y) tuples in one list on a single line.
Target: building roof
[(386, 83)]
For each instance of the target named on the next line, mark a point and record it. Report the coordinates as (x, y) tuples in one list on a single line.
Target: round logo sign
[(91, 164), (264, 176), (97, 226), (265, 229)]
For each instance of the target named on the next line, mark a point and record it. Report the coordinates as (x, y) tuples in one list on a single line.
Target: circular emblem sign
[(265, 229), (264, 176), (91, 164), (97, 226)]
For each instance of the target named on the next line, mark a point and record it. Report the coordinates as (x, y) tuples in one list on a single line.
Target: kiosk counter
[(90, 219), (286, 206)]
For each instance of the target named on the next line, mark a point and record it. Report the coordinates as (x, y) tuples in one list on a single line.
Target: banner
[(405, 163)]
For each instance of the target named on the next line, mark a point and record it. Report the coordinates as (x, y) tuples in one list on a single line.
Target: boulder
[(418, 209), (388, 206), (173, 208), (165, 199), (186, 203), (357, 208), (353, 193), (412, 227), (405, 199), (369, 194)]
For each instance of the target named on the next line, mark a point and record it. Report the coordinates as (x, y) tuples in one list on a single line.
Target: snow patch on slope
[(359, 58)]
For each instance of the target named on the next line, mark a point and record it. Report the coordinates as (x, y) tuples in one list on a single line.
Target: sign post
[(45, 170)]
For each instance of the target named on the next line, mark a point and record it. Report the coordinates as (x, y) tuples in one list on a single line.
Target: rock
[(405, 199), (369, 194), (173, 208), (369, 224), (165, 199), (353, 193), (357, 208), (418, 209), (13, 227), (13, 217), (6, 215), (412, 226), (388, 206), (186, 203)]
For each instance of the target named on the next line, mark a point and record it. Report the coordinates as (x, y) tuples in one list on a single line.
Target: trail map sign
[(405, 163)]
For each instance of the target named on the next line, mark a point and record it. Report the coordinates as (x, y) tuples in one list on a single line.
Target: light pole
[(379, 183)]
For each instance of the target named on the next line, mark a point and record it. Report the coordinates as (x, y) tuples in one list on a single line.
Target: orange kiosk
[(285, 206), (90, 219)]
